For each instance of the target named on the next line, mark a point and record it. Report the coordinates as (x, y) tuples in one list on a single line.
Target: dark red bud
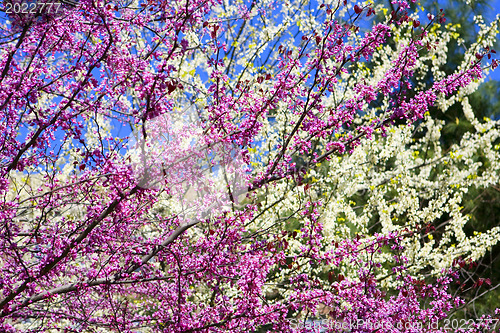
[(171, 87), (357, 9)]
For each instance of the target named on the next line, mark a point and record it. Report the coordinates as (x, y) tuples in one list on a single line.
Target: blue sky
[(490, 15)]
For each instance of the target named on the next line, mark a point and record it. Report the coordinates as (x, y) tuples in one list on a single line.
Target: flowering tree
[(194, 166)]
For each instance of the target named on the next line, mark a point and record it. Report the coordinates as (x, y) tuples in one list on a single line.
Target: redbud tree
[(190, 166)]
